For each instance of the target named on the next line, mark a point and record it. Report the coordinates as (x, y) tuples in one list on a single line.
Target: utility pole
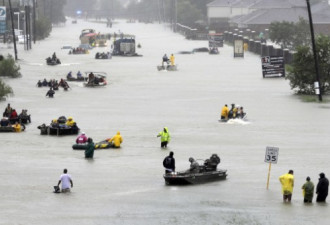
[(318, 84), (12, 28), (34, 21)]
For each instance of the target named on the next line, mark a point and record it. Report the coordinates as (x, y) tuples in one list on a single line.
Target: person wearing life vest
[(287, 181), (224, 112), (70, 122), (116, 140), (172, 58), (165, 137), (82, 139)]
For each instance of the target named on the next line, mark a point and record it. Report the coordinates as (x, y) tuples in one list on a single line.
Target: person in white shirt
[(66, 180)]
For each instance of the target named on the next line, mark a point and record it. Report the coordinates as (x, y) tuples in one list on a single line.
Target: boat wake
[(238, 121)]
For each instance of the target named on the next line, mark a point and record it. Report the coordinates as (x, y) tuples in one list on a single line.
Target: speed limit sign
[(271, 155)]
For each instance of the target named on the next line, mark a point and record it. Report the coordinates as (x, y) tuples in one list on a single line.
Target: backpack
[(167, 162)]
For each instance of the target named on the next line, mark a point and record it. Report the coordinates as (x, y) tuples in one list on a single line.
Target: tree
[(290, 35), (302, 35), (301, 73), (9, 68), (5, 90), (43, 27), (282, 33)]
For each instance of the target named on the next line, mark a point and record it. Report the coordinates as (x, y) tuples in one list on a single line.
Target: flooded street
[(126, 186)]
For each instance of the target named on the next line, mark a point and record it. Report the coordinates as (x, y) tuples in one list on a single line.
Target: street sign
[(2, 13), (273, 66), (2, 20), (271, 155)]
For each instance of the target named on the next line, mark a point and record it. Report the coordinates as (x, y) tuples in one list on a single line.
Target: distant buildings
[(257, 15)]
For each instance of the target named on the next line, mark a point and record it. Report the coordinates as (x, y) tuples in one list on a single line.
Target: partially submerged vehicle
[(207, 172), (95, 79), (103, 55), (168, 67), (78, 51), (125, 46), (214, 51), (201, 49)]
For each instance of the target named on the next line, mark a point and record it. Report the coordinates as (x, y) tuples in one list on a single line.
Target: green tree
[(5, 90), (43, 28), (282, 33), (301, 73), (9, 68), (188, 13), (290, 35), (302, 35)]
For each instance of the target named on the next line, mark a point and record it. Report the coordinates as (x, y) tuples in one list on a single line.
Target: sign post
[(271, 156)]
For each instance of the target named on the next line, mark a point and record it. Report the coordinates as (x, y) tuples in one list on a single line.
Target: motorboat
[(95, 79), (202, 173), (181, 178)]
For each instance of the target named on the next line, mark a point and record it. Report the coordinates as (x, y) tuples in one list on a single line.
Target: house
[(257, 15)]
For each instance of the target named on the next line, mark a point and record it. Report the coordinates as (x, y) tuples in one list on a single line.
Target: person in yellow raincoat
[(70, 122), (116, 140), (287, 181), (172, 59), (165, 137), (224, 112), (17, 127)]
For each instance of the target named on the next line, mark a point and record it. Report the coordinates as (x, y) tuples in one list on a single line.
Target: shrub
[(9, 68)]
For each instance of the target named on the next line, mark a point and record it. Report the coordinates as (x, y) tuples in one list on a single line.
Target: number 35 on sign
[(271, 155)]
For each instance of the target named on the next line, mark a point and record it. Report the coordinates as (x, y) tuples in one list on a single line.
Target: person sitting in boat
[(4, 122), (7, 111), (116, 140), (212, 163), (82, 139), (91, 78), (44, 83), (232, 112), (172, 58), (50, 93), (55, 85), (54, 58), (224, 112), (165, 60), (39, 84), (240, 113), (69, 75), (13, 114), (24, 116), (17, 127), (64, 84), (79, 75), (54, 123), (70, 122), (194, 166)]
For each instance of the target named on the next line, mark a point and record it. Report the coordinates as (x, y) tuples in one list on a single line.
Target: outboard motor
[(43, 129)]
